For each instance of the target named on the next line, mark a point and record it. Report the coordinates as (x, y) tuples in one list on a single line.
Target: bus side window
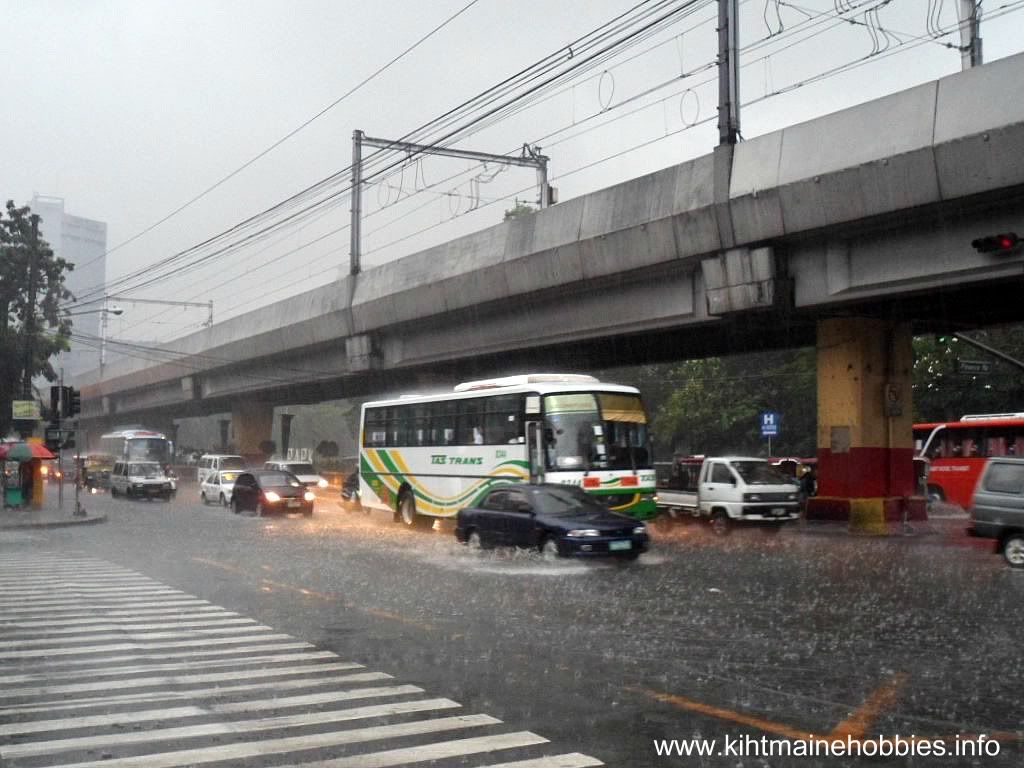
[(442, 423), (503, 422), (419, 426), (375, 432), (470, 422)]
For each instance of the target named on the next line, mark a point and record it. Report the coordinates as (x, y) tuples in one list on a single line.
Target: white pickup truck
[(729, 490)]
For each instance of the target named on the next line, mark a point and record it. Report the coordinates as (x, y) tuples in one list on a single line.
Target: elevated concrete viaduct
[(853, 229)]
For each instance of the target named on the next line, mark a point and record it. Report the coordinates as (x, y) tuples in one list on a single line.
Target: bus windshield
[(590, 431), (146, 449)]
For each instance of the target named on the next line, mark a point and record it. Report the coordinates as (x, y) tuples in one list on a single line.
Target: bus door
[(535, 441)]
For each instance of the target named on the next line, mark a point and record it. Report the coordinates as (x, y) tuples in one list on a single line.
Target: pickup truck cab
[(735, 490)]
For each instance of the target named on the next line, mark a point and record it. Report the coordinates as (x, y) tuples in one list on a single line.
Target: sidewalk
[(49, 516)]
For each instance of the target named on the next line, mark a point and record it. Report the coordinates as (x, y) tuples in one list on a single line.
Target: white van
[(212, 463), (141, 480)]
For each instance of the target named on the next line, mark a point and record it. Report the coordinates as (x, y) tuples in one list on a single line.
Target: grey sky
[(128, 109)]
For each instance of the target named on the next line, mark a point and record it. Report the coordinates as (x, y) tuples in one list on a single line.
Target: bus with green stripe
[(424, 457)]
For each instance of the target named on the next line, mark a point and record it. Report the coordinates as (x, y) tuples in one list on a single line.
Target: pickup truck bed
[(677, 503)]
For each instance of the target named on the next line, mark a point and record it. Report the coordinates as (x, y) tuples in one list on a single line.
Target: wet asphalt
[(704, 637)]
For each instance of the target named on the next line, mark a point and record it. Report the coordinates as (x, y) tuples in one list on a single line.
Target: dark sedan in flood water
[(262, 491), (557, 520)]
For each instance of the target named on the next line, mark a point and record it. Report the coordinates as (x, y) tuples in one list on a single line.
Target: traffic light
[(55, 410), (76, 402), (1003, 243), (52, 438), (72, 402)]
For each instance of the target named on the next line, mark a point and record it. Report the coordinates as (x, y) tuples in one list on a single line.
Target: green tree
[(519, 209), (941, 393), (32, 329), (713, 405)]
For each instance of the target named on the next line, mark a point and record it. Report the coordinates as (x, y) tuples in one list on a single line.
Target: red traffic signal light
[(1002, 243)]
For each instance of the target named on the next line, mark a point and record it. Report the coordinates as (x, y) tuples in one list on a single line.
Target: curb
[(88, 520), (925, 529)]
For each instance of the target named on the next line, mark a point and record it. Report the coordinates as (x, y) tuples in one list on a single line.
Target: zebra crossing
[(103, 666)]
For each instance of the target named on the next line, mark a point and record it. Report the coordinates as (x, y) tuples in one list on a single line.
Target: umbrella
[(24, 451)]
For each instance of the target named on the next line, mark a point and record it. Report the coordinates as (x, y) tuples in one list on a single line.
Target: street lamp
[(114, 309), (105, 311)]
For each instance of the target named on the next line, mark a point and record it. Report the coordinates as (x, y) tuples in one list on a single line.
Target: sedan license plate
[(779, 511), (619, 546), (293, 503)]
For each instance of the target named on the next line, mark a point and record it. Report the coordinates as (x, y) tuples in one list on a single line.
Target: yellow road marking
[(268, 585), (855, 727), (884, 697), (726, 714)]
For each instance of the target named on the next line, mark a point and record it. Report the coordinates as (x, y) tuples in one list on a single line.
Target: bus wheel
[(407, 514), (935, 493), (1013, 550), (719, 523)]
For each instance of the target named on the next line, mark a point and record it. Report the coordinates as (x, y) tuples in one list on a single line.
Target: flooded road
[(703, 638)]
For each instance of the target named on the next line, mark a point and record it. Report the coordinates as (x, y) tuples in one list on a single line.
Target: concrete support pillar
[(252, 424), (865, 421), (224, 425), (286, 433)]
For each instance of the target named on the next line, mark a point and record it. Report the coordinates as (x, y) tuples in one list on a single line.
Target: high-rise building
[(82, 242)]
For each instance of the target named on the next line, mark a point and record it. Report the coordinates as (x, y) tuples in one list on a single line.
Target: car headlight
[(309, 496), (271, 497), (580, 532), (792, 497), (321, 483), (751, 496), (640, 530)]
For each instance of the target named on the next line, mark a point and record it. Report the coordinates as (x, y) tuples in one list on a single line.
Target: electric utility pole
[(970, 34), (530, 157), (728, 72)]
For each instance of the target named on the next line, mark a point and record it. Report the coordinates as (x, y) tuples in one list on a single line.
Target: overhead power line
[(302, 126), (598, 39)]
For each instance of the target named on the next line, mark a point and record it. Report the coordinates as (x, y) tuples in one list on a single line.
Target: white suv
[(302, 470)]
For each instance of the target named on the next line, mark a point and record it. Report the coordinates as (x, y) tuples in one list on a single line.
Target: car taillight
[(271, 496), (309, 496)]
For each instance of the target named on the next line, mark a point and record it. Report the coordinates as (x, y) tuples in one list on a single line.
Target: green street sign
[(25, 410)]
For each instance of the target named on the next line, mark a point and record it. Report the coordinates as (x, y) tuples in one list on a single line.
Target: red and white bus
[(957, 451)]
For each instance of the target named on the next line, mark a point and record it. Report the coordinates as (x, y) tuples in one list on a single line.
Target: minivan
[(998, 508), (212, 463), (141, 479)]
